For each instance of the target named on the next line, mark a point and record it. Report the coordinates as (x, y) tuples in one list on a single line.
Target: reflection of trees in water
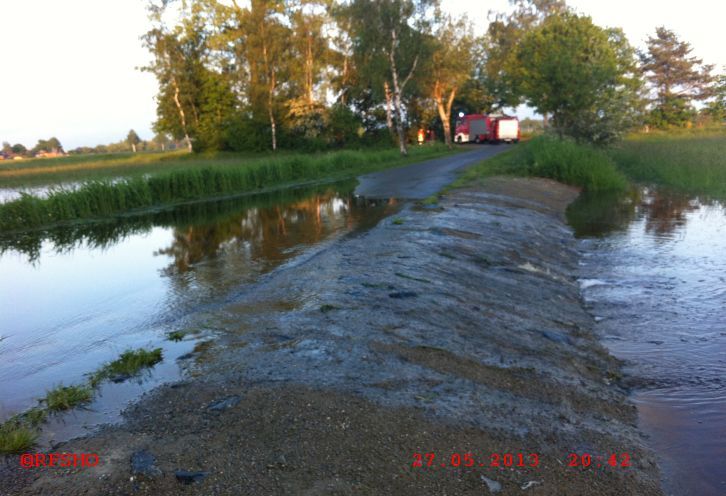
[(108, 232), (265, 235), (666, 211), (599, 214)]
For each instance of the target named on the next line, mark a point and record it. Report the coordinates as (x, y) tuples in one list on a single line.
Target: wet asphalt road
[(420, 180)]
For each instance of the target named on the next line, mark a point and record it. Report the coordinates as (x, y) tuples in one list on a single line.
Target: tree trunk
[(133, 147), (309, 70), (389, 118), (182, 117), (270, 73), (398, 90), (402, 145), (445, 110), (343, 95), (273, 127)]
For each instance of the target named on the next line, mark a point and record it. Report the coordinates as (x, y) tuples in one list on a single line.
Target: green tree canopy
[(676, 78), (50, 145), (581, 74), (133, 139), (390, 42), (716, 108)]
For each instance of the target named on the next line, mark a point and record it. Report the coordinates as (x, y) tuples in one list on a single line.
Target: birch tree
[(390, 43)]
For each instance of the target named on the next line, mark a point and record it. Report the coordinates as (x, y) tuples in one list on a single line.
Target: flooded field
[(76, 297), (654, 276)]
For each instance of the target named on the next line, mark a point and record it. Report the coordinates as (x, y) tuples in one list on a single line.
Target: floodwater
[(654, 277), (74, 298)]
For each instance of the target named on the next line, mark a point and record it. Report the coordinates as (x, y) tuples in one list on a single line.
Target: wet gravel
[(450, 329)]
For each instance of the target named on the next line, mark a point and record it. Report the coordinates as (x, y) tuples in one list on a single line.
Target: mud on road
[(452, 328)]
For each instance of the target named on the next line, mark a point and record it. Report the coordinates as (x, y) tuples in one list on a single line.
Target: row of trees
[(132, 142), (51, 145), (316, 73)]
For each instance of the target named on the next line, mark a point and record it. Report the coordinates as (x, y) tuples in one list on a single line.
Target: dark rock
[(556, 337), (185, 356), (144, 463), (403, 294), (120, 378), (186, 477), (223, 404)]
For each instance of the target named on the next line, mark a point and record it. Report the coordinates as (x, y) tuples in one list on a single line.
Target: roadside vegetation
[(560, 159), (20, 432), (104, 198), (693, 162)]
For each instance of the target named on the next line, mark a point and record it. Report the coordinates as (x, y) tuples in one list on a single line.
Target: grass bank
[(562, 160), (691, 162), (198, 180)]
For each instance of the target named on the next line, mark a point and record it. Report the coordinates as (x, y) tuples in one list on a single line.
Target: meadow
[(693, 162), (113, 186)]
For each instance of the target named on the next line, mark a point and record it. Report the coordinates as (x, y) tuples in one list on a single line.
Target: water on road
[(654, 276)]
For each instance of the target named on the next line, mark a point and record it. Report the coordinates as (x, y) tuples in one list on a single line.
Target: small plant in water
[(66, 397), (16, 437), (327, 308), (129, 363), (35, 416), (176, 335), (398, 221)]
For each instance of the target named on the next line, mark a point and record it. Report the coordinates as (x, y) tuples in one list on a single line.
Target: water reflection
[(655, 277), (103, 234), (602, 214), (666, 211), (74, 297), (264, 233)]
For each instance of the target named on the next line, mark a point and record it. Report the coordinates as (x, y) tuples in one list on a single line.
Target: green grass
[(562, 160), (66, 397), (39, 172), (691, 162), (198, 180), (19, 433), (15, 437), (175, 335), (129, 363)]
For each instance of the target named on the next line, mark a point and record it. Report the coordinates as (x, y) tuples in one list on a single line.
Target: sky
[(70, 66)]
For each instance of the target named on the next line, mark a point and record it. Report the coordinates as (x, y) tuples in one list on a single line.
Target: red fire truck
[(480, 128)]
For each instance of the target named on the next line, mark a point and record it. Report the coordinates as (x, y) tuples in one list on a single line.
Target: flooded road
[(74, 298), (654, 276)]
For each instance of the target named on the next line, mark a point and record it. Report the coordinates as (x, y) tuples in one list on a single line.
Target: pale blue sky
[(70, 72)]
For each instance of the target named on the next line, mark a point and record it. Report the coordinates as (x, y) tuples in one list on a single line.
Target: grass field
[(80, 168), (691, 162), (176, 179)]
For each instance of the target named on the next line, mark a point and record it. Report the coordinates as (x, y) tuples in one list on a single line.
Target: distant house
[(50, 154)]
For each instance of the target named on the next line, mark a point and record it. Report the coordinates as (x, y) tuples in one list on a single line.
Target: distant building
[(51, 154)]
